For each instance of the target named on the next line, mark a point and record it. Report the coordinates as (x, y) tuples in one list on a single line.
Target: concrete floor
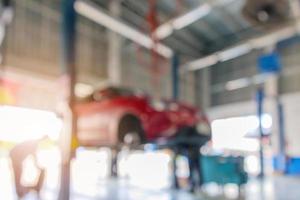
[(148, 182)]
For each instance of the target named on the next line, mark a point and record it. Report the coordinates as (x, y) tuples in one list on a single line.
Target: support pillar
[(275, 108), (175, 76), (281, 137), (68, 70), (260, 101), (114, 48), (270, 64)]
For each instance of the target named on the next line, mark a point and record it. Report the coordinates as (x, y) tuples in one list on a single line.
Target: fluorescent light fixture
[(224, 2), (264, 41), (202, 63), (273, 38), (99, 16), (191, 16), (259, 43), (237, 84), (286, 33), (240, 83), (234, 52), (166, 29)]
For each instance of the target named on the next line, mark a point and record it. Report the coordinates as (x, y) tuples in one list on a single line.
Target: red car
[(114, 116)]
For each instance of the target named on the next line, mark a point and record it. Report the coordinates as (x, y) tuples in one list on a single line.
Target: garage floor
[(90, 183)]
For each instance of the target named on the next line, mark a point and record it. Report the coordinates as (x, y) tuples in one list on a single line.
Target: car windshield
[(111, 92)]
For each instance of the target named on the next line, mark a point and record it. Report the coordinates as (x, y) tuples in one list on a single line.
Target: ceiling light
[(191, 16), (234, 52), (202, 63), (164, 31), (237, 84)]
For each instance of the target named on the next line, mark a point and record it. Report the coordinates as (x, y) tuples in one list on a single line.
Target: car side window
[(173, 106), (110, 93)]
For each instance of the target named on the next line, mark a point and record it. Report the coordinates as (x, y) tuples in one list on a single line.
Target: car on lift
[(116, 116)]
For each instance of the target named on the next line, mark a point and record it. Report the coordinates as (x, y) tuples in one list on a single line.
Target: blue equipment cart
[(223, 170)]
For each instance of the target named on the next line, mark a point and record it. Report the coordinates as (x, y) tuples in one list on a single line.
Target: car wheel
[(131, 136), (131, 133)]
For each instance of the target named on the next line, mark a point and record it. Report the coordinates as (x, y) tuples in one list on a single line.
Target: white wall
[(291, 103), (292, 122)]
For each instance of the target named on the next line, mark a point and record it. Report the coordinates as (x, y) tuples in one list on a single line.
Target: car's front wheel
[(130, 136)]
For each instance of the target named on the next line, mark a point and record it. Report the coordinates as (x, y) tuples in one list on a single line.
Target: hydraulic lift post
[(175, 76), (68, 69), (282, 140), (260, 101)]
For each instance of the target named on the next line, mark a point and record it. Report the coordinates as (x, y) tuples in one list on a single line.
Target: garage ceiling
[(221, 27)]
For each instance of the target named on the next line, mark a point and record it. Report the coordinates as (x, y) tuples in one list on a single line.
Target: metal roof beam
[(99, 16), (269, 39), (182, 21)]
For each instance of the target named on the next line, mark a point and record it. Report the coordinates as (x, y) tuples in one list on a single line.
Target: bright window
[(239, 133), (19, 124)]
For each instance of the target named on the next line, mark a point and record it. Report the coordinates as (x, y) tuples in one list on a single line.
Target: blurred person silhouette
[(188, 142), (18, 155)]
